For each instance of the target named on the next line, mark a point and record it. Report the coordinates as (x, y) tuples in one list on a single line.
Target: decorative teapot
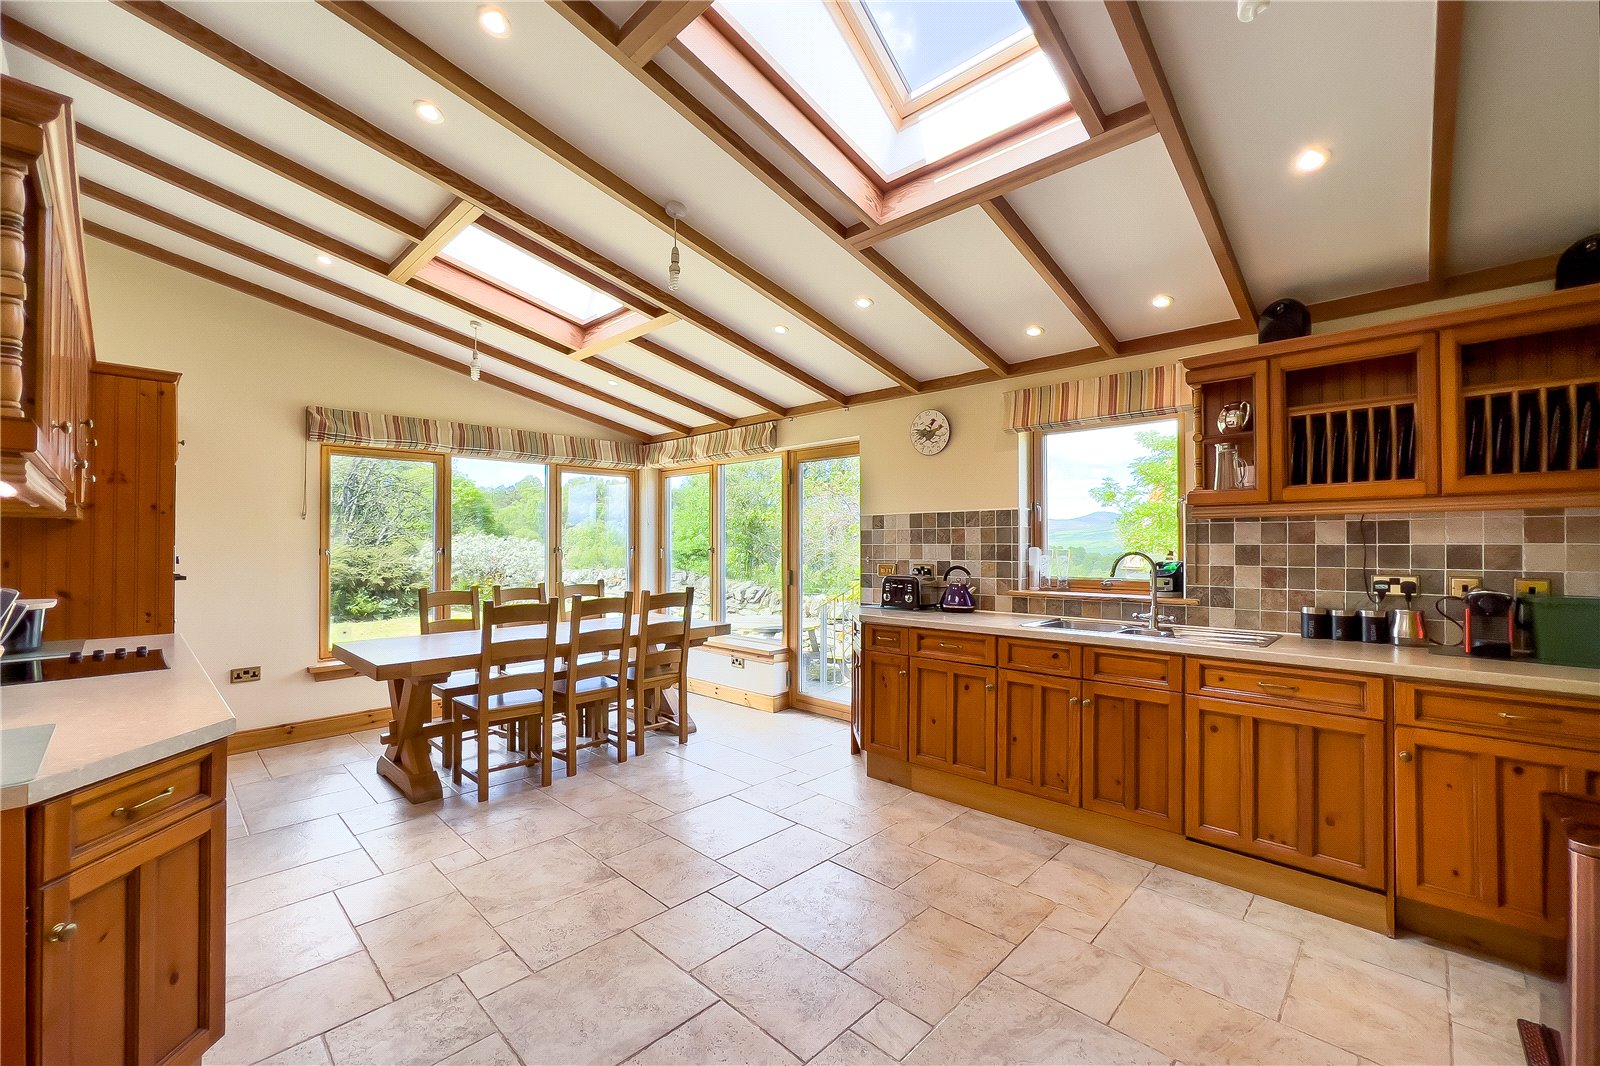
[(1233, 416)]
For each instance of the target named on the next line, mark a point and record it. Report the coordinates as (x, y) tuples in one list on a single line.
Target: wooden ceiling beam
[(1054, 44), (1450, 16), (655, 25), (717, 419), (595, 26), (689, 366), (322, 282), (1003, 215), (329, 318), (441, 231), (622, 330), (104, 77), (227, 54), (1141, 52), (381, 30)]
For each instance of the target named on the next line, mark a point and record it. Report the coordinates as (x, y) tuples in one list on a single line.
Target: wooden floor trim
[(756, 701), (274, 736)]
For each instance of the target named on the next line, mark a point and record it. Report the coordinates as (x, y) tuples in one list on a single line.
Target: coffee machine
[(1488, 623)]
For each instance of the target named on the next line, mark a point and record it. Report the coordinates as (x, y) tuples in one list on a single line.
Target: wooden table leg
[(406, 761), (682, 708)]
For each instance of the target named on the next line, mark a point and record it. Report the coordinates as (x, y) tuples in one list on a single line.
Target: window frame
[(794, 458), (1038, 486)]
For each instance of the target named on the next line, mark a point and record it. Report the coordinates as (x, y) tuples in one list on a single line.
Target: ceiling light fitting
[(1034, 331), (324, 259), (1311, 159), (474, 372), (780, 329), (1249, 9), (429, 112), (493, 21), (675, 211), (1161, 300), (863, 302)]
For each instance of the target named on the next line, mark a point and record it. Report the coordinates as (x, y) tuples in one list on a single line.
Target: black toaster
[(907, 592)]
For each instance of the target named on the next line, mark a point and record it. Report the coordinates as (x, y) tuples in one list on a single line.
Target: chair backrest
[(586, 639), (505, 594), (429, 602), (589, 590), (665, 619), (531, 639)]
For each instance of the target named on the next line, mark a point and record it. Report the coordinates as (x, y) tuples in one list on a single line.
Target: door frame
[(791, 552)]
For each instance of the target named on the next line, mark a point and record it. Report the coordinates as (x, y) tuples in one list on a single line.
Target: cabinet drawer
[(1569, 722), (1040, 656), (1120, 667), (95, 821), (884, 638), (956, 647), (1310, 690)]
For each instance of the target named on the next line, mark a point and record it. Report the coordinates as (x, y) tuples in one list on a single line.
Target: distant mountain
[(1093, 522), (1096, 531)]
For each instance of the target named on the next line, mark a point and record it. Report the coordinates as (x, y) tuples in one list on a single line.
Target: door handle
[(62, 932), (129, 812)]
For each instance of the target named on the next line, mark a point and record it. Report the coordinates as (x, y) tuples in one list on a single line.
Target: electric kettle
[(957, 594)]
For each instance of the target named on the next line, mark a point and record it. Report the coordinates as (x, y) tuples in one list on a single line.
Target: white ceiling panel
[(970, 267), (1527, 167), (719, 358), (1123, 230), (1356, 78), (1094, 42), (683, 382)]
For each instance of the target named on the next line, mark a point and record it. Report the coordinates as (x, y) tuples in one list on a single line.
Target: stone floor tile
[(265, 853), (852, 785), (718, 1036), (852, 1049), (994, 847), (1471, 1047), (784, 854), (366, 819), (516, 883), (599, 1006), (1490, 997), (732, 762), (1069, 971), (313, 1052), (246, 766), (612, 836), (1220, 898), (490, 1051), (738, 891), (530, 826), (916, 815), (273, 1019), (416, 1030), (928, 964), (774, 795), (697, 931), (1073, 922), (991, 905), (721, 827), (279, 944), (685, 793), (1087, 880), (669, 871), (1180, 1020), (394, 847), (415, 947), (884, 861), (822, 761), (378, 896), (258, 795), (456, 860), (833, 913), (491, 975), (249, 898), (838, 820), (311, 755), (891, 1029), (1409, 955), (787, 991), (553, 931), (1367, 1009)]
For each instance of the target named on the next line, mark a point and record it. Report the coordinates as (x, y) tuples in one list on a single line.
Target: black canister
[(1374, 627), (1315, 624), (1346, 625)]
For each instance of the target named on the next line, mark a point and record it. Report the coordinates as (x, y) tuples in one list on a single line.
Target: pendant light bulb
[(675, 211), (475, 372)]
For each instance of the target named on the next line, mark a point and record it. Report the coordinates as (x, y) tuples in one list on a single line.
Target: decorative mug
[(1233, 416)]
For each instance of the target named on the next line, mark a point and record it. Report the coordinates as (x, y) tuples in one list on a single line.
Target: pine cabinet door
[(953, 717), (883, 698), (1040, 733), (1133, 754)]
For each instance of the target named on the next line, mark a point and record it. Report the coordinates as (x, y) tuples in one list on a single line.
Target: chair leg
[(483, 763), (683, 715), (547, 731), (452, 744), (641, 702), (574, 716)]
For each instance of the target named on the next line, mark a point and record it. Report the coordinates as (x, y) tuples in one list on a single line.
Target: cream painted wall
[(249, 370)]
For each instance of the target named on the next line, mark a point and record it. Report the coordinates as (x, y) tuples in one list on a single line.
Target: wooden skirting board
[(274, 736), (756, 701)]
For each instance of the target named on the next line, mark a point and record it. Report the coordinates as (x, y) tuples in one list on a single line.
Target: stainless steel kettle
[(958, 595)]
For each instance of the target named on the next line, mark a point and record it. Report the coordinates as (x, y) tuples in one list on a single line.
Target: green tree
[(471, 509), (522, 509), (1147, 504)]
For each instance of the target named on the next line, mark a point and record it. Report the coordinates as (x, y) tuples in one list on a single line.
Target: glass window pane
[(752, 548), (595, 529), (931, 43), (499, 523), (830, 573), (688, 538), (380, 544), (1108, 490), (486, 254)]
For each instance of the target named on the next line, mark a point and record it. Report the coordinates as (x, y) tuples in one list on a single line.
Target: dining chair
[(591, 590), (660, 662), (506, 696), (508, 594), (589, 683), (436, 613)]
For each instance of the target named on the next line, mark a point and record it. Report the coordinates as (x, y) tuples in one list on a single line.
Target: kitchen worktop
[(104, 726), (1413, 664)]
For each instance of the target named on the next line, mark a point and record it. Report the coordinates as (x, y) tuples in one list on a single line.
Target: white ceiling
[(1356, 77)]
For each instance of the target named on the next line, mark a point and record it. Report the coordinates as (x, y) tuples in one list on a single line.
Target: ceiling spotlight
[(1034, 331), (429, 112), (324, 259), (1311, 159), (612, 382), (780, 329), (1161, 300), (493, 21), (1249, 9), (863, 302), (675, 211)]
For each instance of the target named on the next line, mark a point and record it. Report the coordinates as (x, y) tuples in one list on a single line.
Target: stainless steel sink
[(1228, 638), (1081, 625)]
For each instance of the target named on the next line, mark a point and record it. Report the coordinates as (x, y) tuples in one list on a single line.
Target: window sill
[(1084, 594), (331, 671), (766, 653)]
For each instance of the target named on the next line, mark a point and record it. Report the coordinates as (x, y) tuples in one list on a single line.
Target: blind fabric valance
[(1126, 397), (736, 443), (366, 429)]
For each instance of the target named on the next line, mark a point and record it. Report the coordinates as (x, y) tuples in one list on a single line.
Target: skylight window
[(511, 268), (931, 44)]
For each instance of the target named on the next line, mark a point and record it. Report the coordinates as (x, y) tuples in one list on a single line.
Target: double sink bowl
[(1202, 635)]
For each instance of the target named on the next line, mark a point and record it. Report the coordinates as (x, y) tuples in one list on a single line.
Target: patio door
[(825, 534)]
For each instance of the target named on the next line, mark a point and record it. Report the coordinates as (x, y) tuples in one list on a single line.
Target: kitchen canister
[(1346, 625), (1374, 627), (1316, 623)]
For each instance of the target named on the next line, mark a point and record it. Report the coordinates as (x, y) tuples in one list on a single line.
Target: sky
[(1076, 462), (492, 473), (928, 40)]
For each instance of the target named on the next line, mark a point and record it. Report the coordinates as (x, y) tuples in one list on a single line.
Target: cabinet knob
[(61, 932), (1088, 704), (1405, 756), (902, 673), (988, 688)]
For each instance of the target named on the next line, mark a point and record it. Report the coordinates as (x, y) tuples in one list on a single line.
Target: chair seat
[(527, 700), (461, 681), (590, 687), (668, 672)]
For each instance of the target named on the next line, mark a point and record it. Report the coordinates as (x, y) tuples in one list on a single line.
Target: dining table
[(412, 665)]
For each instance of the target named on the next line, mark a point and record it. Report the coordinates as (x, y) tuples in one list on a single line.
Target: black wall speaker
[(1282, 320), (1580, 264)]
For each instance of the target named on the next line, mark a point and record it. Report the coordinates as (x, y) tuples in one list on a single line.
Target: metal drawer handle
[(1276, 687), (129, 812), (61, 932), (952, 647), (1540, 718)]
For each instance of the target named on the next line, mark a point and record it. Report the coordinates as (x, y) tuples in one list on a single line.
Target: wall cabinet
[(1133, 754), (952, 711), (883, 693), (1298, 787), (1040, 728)]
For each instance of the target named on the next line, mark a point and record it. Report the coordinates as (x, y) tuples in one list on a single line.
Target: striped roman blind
[(1126, 397), (409, 433), (735, 443)]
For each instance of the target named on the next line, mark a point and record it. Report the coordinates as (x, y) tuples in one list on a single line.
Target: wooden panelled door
[(1133, 754), (952, 709), (1040, 728), (883, 710)]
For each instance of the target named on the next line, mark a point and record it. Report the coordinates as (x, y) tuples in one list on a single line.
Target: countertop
[(105, 726), (1415, 664)]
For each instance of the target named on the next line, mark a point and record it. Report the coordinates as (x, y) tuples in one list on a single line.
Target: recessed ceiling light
[(613, 382), (429, 112), (323, 259), (863, 302), (1161, 299), (1311, 159), (780, 329), (1034, 331), (493, 21)]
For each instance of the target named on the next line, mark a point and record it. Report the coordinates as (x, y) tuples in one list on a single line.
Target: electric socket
[(736, 661), (244, 673), (1461, 584), (1394, 581), (1531, 586)]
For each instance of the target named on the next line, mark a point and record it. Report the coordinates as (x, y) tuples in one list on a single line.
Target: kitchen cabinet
[(1040, 730), (883, 696), (1469, 834), (1302, 788), (952, 713), (1133, 753)]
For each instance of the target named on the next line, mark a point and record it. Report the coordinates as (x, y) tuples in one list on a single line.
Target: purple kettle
[(957, 594)]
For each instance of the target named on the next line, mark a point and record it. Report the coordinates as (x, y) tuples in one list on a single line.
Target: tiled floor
[(755, 898)]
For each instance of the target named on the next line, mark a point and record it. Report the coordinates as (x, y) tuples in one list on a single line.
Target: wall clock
[(930, 432)]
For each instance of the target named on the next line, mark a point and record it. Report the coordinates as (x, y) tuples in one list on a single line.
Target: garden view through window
[(1109, 490)]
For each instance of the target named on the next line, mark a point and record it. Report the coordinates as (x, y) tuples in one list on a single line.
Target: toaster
[(908, 592)]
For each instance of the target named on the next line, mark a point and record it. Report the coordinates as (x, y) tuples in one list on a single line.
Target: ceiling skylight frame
[(539, 256)]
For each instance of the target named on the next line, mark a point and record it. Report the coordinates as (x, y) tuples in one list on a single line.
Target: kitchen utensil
[(958, 594), (1528, 417), (1233, 416), (8, 603), (1407, 627), (1560, 443), (1225, 467), (909, 592), (1488, 624), (1374, 627), (27, 630), (1315, 623), (1346, 624)]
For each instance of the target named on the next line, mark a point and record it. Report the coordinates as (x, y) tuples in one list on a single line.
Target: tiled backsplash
[(1256, 573)]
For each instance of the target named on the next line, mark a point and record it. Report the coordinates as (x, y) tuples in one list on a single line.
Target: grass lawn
[(368, 628)]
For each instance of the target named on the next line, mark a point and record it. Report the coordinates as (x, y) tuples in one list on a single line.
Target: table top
[(441, 654)]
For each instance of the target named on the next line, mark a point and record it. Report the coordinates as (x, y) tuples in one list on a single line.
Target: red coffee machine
[(1488, 623)]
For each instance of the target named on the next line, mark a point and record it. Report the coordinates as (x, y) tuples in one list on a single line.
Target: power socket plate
[(1461, 584), (241, 674), (1394, 581), (1531, 586)]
